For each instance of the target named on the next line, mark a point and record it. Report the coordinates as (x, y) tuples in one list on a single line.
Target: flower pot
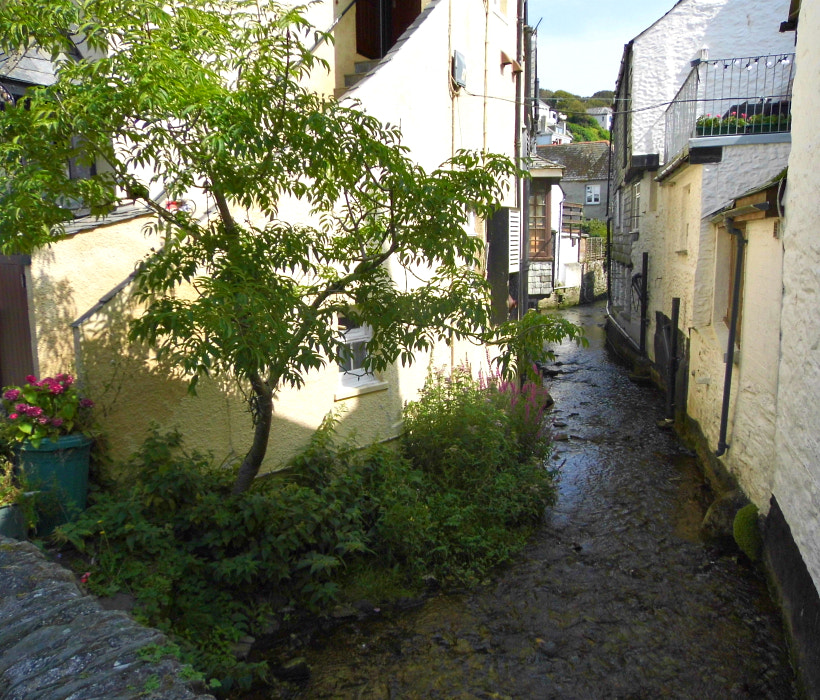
[(12, 522), (58, 468)]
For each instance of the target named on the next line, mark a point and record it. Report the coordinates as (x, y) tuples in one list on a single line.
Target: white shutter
[(515, 240)]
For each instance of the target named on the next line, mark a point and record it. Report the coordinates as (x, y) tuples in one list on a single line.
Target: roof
[(599, 110), (587, 160), (32, 68), (124, 212), (776, 181)]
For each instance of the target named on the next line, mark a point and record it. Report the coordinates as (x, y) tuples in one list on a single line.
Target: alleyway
[(615, 598)]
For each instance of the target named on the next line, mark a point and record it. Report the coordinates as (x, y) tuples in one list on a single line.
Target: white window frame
[(355, 380), (593, 194)]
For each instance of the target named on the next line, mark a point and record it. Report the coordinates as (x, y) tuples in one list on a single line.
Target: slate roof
[(32, 68), (124, 212), (588, 160), (537, 162)]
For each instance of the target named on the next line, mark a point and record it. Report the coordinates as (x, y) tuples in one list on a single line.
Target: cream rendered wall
[(69, 277), (661, 54), (680, 241), (411, 88), (797, 437), (752, 413)]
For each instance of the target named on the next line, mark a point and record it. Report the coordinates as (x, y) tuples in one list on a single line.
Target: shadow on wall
[(132, 390), (56, 310)]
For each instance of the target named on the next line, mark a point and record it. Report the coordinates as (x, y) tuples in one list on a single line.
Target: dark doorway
[(380, 23), (15, 333)]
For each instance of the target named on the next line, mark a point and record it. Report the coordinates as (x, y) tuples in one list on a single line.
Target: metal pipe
[(673, 361), (644, 301), (730, 350)]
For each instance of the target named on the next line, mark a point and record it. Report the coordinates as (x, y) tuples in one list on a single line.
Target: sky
[(580, 42)]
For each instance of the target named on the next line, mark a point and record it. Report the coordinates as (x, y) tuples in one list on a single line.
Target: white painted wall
[(797, 437), (412, 87), (662, 53)]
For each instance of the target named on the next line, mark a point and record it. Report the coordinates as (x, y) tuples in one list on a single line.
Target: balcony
[(731, 97)]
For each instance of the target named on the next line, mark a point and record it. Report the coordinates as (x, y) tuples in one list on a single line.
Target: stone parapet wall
[(56, 643)]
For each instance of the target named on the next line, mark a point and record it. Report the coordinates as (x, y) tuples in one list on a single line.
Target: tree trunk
[(263, 396)]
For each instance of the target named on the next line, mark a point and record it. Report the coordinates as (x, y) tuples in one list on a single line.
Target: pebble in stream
[(615, 597)]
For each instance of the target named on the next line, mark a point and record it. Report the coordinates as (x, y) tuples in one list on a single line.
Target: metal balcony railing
[(730, 97)]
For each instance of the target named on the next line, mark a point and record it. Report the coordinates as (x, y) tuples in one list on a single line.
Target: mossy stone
[(746, 531)]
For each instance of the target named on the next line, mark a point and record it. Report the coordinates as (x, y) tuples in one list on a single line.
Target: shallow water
[(615, 597)]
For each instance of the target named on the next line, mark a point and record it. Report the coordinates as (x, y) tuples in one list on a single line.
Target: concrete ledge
[(57, 643)]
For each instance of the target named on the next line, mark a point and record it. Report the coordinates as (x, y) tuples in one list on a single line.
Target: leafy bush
[(478, 451), (453, 500), (201, 562), (594, 227)]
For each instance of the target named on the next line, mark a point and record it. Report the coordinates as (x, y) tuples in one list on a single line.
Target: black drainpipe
[(730, 350), (673, 360), (644, 301), (729, 222)]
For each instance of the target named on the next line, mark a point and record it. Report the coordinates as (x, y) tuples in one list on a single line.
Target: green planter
[(58, 470), (12, 522)]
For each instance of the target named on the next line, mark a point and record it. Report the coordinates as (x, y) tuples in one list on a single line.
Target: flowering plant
[(44, 409)]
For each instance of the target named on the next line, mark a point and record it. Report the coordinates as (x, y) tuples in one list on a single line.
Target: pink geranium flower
[(43, 409)]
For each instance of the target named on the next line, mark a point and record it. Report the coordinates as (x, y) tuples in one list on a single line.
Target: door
[(16, 359)]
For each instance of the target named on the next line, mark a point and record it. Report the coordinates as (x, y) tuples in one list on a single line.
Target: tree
[(210, 96)]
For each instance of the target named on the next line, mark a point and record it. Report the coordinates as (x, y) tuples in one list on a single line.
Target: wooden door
[(16, 359)]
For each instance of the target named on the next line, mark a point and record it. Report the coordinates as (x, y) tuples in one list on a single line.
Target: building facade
[(449, 85), (707, 280)]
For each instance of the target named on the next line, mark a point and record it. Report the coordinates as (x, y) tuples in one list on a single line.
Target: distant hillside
[(582, 126)]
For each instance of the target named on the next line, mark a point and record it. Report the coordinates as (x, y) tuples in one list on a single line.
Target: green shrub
[(454, 499), (476, 477), (200, 561)]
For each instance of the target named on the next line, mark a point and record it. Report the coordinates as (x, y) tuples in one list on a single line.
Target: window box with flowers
[(46, 421), (733, 124)]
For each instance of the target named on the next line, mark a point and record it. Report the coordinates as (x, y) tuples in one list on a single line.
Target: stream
[(616, 595)]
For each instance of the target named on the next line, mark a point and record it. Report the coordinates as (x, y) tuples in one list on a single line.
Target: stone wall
[(56, 643)]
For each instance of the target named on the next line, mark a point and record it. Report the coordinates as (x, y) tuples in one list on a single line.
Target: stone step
[(362, 67)]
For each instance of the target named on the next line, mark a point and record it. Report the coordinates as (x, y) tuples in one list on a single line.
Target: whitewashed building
[(713, 269), (448, 85)]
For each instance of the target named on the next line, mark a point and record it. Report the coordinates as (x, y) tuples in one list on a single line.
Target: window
[(593, 194), (353, 355), (540, 234)]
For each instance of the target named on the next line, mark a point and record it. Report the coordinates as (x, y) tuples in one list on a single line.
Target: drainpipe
[(729, 221), (673, 361), (521, 280), (644, 301), (730, 350)]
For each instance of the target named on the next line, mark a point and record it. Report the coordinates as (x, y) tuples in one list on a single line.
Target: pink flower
[(14, 416), (84, 578), (56, 388), (12, 395), (42, 420), (743, 115), (31, 379), (56, 422), (21, 407), (86, 403), (33, 411)]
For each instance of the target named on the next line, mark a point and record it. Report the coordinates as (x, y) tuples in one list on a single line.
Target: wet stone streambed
[(615, 597)]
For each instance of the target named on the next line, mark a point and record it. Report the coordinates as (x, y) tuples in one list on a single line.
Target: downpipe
[(730, 350)]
